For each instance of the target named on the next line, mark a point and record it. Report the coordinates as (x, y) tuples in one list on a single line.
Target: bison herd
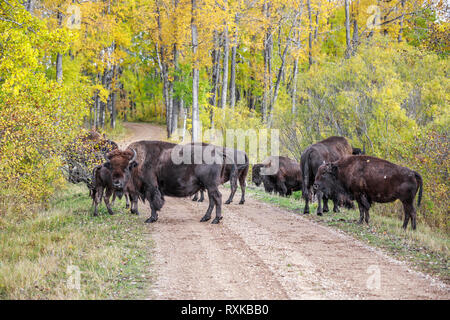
[(328, 170)]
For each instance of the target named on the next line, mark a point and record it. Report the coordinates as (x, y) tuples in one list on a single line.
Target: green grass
[(425, 249), (111, 252)]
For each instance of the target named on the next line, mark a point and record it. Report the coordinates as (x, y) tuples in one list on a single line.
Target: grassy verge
[(41, 251), (425, 249)]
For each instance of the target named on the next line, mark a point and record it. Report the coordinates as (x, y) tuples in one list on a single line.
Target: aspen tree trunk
[(347, 30), (310, 37), (294, 87), (400, 32), (103, 104), (59, 71), (29, 5), (226, 52), (233, 72), (195, 76), (175, 101), (268, 47)]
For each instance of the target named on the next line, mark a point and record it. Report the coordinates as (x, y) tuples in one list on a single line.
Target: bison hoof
[(319, 213), (228, 202), (127, 206), (359, 222), (242, 202), (201, 200), (194, 199), (216, 220), (205, 218), (110, 212), (151, 220)]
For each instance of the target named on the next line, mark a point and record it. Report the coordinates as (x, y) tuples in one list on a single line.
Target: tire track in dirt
[(261, 252)]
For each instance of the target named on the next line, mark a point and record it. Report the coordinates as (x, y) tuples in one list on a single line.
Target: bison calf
[(101, 181), (368, 179)]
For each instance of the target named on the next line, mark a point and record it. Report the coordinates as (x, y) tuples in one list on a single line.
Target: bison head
[(120, 163), (256, 174), (326, 181)]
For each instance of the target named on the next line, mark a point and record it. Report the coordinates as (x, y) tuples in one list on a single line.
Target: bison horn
[(134, 155)]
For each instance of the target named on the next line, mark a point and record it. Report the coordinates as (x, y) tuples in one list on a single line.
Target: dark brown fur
[(242, 169), (330, 149), (147, 155), (287, 179), (368, 179)]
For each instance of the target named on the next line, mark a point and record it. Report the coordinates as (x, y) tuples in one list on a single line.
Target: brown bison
[(102, 182), (328, 150), (368, 179), (147, 155), (241, 160), (287, 179), (154, 177)]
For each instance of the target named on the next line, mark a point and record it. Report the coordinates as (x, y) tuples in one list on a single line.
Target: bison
[(147, 153), (102, 181), (369, 179), (241, 160), (328, 150), (287, 179), (153, 177)]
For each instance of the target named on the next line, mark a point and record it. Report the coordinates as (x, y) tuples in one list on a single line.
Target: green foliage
[(38, 116), (392, 98)]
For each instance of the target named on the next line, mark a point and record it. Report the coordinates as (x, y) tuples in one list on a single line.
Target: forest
[(374, 71)]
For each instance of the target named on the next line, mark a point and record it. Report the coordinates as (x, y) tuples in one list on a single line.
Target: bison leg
[(281, 186), (154, 214), (306, 197), (218, 201), (410, 213), (113, 199), (106, 198), (242, 184), (97, 199), (202, 196), (325, 204), (361, 213), (364, 206), (127, 200), (233, 191), (319, 203), (134, 204), (367, 217), (335, 206), (207, 215)]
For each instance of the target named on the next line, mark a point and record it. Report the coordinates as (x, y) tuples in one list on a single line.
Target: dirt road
[(261, 252)]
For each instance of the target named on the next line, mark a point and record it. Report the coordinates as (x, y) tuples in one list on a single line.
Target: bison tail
[(420, 181)]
